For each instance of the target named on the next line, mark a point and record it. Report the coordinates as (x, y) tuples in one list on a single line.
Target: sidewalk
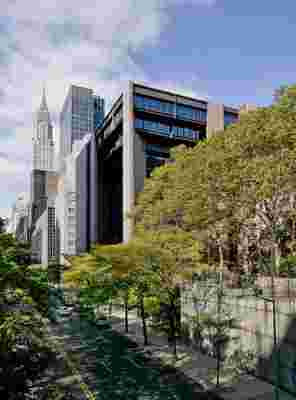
[(196, 366)]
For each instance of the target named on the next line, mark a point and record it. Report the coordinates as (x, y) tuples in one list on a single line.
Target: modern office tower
[(43, 145), (81, 112), (135, 136)]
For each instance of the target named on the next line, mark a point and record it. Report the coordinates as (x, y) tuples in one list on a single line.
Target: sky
[(229, 51)]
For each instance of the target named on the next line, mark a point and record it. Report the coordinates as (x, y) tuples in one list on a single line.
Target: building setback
[(136, 136)]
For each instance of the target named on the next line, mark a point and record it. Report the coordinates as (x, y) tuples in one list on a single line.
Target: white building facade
[(73, 212)]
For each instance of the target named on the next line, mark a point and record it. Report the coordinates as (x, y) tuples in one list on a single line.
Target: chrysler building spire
[(43, 146), (43, 103), (43, 113)]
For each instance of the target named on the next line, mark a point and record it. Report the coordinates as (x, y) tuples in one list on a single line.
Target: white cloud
[(60, 44)]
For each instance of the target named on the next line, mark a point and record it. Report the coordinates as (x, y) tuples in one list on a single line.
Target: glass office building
[(135, 137), (81, 113)]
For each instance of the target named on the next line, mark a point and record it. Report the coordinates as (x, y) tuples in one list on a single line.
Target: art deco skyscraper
[(43, 145)]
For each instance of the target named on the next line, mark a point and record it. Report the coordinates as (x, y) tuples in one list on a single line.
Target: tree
[(91, 274), (285, 98), (214, 187), (171, 256), (19, 252), (24, 351), (130, 269)]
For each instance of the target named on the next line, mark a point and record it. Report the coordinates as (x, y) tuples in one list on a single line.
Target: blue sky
[(230, 51)]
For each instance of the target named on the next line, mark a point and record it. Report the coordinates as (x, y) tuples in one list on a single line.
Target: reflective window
[(167, 130), (187, 112), (147, 103), (157, 150), (230, 118)]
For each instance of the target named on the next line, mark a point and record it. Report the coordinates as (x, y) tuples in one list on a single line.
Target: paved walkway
[(113, 367), (194, 365)]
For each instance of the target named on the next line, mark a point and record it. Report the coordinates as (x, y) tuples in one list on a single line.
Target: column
[(134, 166), (215, 118)]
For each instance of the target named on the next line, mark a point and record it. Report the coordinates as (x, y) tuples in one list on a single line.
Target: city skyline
[(242, 60)]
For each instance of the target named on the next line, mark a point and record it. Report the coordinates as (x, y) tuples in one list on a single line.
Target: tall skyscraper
[(81, 113), (77, 216), (44, 181), (43, 145)]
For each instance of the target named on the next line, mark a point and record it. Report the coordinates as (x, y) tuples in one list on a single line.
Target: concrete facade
[(133, 161), (254, 325), (215, 119), (135, 136)]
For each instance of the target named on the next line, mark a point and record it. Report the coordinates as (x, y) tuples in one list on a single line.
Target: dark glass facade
[(149, 104), (169, 123), (99, 111), (82, 112), (168, 130), (230, 118), (155, 155), (190, 113), (174, 109)]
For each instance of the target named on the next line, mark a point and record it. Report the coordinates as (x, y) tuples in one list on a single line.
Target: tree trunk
[(277, 258), (110, 309), (173, 318), (221, 257), (219, 309), (142, 311), (173, 329), (126, 313)]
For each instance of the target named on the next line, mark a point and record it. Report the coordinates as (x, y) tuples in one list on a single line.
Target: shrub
[(24, 353), (288, 266)]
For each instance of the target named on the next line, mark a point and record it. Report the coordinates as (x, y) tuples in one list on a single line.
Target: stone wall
[(254, 325)]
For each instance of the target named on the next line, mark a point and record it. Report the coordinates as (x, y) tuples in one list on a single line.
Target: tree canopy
[(216, 186)]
